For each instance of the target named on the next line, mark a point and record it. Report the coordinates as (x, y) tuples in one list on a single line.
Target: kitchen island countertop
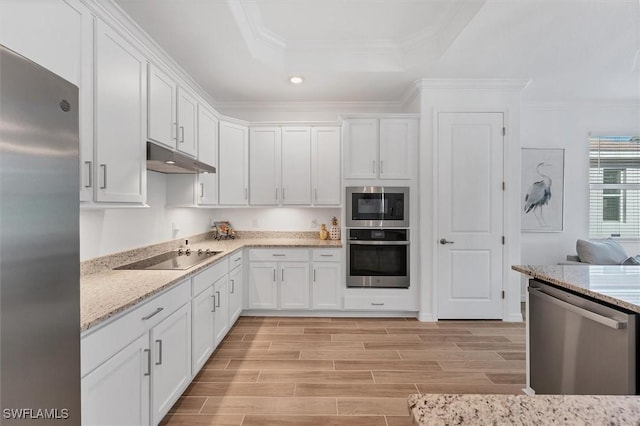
[(105, 292), (442, 409), (613, 284)]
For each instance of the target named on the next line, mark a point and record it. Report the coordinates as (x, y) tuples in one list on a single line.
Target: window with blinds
[(614, 187)]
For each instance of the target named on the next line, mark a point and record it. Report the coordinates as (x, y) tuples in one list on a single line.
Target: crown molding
[(391, 106), (629, 104)]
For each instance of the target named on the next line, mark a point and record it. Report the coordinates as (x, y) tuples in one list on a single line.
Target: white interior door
[(470, 218)]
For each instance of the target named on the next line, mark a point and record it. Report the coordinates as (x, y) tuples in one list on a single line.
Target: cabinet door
[(162, 125), (207, 153), (326, 285), (121, 118), (294, 285), (202, 319), (263, 290), (398, 142), (171, 359), (235, 294), (361, 148), (325, 165), (207, 136), (233, 164), (296, 166), (221, 297), (117, 392), (187, 126), (264, 166)]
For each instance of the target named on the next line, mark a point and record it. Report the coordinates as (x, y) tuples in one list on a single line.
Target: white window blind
[(614, 187)]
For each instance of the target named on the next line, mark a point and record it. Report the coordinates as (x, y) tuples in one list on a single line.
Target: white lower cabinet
[(326, 285), (117, 392), (286, 279), (171, 370), (221, 309), (294, 285), (202, 329), (235, 293)]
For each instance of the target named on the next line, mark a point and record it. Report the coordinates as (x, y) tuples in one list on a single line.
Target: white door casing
[(470, 215)]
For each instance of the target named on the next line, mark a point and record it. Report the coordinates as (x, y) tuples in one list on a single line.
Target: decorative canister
[(334, 234), (324, 234)]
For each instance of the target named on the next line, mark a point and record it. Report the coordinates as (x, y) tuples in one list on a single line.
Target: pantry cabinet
[(121, 118), (233, 164)]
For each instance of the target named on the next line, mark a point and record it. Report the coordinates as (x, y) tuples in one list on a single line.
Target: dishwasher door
[(578, 346)]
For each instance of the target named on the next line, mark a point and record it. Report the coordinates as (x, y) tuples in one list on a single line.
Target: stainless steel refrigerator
[(39, 246)]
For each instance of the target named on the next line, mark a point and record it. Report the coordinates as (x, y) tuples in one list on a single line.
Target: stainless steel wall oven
[(378, 206), (378, 258)]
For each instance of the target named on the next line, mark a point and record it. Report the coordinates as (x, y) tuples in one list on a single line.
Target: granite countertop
[(617, 285), (105, 292), (439, 409)]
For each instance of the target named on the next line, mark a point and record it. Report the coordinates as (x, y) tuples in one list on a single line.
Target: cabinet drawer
[(326, 255), (235, 260), (103, 343), (378, 303), (210, 275), (277, 255)]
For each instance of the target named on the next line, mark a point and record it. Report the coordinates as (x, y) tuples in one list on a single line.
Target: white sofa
[(600, 252)]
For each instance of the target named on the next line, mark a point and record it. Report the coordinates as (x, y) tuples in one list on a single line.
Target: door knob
[(445, 241)]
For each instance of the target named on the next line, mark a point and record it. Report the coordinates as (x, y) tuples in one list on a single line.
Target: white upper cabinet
[(264, 165), (325, 165), (58, 35), (233, 167), (187, 122), (207, 153), (162, 124), (398, 142), (121, 118), (296, 166), (173, 113), (380, 148), (361, 148)]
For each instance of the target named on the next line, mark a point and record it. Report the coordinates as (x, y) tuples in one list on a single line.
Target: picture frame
[(542, 197)]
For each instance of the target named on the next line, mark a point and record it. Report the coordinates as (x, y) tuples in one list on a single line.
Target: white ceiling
[(372, 50)]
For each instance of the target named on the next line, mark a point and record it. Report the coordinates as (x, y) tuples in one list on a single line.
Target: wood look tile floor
[(346, 371)]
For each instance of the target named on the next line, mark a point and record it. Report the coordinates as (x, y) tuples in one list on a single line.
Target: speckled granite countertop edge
[(109, 292), (578, 278), (469, 409)]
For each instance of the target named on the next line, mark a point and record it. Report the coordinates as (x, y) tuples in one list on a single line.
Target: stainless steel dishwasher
[(578, 346)]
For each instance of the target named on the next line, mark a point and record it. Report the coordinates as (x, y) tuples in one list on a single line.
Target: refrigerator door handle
[(606, 321)]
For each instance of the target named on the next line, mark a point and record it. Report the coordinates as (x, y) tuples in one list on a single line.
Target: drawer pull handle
[(159, 342), (156, 312), (148, 351), (237, 260), (278, 255), (326, 255), (377, 304)]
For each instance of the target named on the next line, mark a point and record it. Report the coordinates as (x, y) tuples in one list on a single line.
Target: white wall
[(567, 125), (106, 231)]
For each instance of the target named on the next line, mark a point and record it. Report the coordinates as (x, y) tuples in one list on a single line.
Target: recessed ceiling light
[(296, 79)]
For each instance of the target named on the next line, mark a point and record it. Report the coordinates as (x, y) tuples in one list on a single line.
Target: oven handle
[(379, 243)]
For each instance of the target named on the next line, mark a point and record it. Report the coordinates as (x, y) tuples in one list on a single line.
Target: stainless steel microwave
[(377, 206)]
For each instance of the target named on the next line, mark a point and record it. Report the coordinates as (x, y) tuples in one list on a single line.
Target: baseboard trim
[(336, 314), (514, 318), (426, 317)]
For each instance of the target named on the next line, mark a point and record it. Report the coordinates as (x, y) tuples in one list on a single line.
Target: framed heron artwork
[(542, 200)]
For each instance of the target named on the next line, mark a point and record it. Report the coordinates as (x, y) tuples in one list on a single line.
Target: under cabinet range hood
[(163, 160)]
